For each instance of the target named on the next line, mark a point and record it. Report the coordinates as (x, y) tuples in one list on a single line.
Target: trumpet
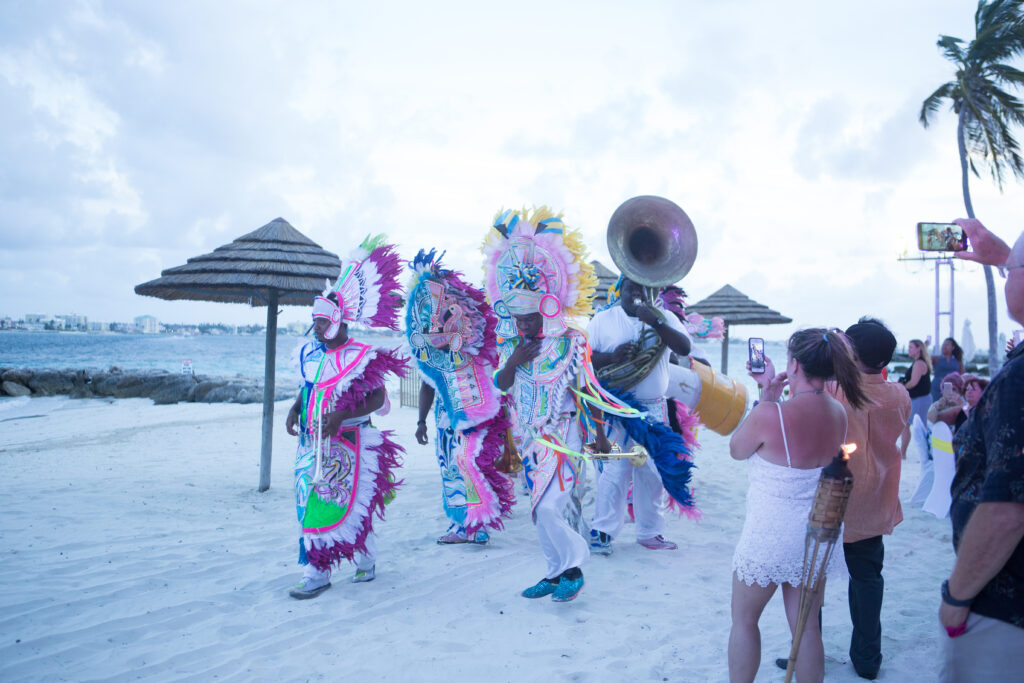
[(637, 455)]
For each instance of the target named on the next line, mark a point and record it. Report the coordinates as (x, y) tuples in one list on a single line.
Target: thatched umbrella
[(273, 266), (735, 308), (606, 279)]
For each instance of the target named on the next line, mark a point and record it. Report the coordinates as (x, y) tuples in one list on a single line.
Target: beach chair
[(944, 468), (919, 444)]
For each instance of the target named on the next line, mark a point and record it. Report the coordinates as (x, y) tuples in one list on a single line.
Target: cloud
[(837, 139)]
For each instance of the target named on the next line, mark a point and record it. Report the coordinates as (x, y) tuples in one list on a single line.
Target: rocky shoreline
[(163, 387)]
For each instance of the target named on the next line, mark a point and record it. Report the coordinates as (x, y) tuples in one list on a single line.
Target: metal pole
[(725, 350), (268, 391), (952, 296), (935, 339)]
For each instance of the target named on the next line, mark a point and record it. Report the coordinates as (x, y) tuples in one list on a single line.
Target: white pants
[(648, 499), (562, 546), (648, 495)]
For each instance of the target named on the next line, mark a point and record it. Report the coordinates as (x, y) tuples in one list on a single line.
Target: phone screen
[(941, 237), (755, 351)]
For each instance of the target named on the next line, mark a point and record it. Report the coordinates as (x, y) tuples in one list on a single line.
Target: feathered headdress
[(368, 290), (674, 299), (445, 312), (533, 263)]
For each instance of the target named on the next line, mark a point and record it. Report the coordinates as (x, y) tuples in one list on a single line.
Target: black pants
[(864, 561)]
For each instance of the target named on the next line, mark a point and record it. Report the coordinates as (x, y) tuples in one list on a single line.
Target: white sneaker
[(364, 575), (310, 587)]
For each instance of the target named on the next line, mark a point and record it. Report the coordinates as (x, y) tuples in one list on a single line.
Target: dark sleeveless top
[(923, 386)]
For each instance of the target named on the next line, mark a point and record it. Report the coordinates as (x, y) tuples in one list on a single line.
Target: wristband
[(948, 598), (421, 422)]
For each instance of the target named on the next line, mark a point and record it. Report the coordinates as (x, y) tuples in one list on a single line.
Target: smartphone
[(941, 237), (755, 352)]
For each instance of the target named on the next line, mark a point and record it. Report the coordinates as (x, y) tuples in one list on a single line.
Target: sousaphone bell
[(653, 243)]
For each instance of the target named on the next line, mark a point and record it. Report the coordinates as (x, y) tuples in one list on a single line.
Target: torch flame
[(847, 449)]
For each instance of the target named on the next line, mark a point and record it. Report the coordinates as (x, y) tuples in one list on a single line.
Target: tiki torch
[(823, 527)]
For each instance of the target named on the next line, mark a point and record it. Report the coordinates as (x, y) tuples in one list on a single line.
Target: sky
[(138, 134)]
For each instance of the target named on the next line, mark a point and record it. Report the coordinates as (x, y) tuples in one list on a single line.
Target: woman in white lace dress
[(787, 443)]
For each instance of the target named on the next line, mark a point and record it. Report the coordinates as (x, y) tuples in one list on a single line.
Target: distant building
[(74, 322), (36, 318), (298, 328), (147, 324), (99, 327)]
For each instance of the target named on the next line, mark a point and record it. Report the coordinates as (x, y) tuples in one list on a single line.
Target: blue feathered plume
[(663, 447)]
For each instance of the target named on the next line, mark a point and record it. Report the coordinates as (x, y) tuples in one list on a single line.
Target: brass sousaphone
[(653, 243)]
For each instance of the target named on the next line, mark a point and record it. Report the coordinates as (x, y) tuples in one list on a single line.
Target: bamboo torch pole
[(823, 527)]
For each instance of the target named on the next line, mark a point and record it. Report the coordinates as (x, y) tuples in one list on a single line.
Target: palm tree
[(985, 111)]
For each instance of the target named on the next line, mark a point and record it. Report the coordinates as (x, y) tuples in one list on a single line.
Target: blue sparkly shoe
[(568, 588), (479, 538), (540, 589)]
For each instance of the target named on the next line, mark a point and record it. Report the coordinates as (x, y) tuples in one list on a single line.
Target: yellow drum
[(722, 401)]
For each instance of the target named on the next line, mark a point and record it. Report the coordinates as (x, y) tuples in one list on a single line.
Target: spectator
[(918, 382), (950, 359), (983, 599), (950, 406), (874, 507), (974, 387)]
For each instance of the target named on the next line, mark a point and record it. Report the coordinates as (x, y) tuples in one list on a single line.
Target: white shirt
[(612, 327)]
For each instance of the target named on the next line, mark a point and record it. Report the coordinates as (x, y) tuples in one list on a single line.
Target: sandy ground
[(135, 545)]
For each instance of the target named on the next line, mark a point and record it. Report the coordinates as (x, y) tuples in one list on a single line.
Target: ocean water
[(227, 355), (214, 355)]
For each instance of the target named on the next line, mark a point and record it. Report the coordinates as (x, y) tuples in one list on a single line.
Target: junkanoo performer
[(344, 467), (684, 383), (450, 329), (632, 341), (536, 278)]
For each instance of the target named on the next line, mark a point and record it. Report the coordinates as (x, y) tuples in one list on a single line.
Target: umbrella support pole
[(268, 391), (725, 350)]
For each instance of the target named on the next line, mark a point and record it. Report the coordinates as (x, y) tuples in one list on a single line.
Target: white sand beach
[(135, 546)]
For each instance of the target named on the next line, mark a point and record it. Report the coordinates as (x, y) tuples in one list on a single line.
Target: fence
[(410, 388)]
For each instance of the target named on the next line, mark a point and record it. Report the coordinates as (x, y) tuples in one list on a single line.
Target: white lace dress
[(771, 545)]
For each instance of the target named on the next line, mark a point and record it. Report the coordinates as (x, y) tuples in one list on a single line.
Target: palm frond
[(999, 32), (932, 103), (1007, 107), (951, 48), (1006, 74)]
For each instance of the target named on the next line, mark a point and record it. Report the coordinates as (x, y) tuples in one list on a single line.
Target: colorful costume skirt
[(336, 508)]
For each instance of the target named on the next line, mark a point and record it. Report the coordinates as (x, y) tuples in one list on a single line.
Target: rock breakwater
[(161, 386)]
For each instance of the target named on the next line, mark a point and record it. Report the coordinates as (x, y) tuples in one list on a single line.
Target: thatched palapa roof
[(736, 308), (271, 266), (276, 256), (606, 278)]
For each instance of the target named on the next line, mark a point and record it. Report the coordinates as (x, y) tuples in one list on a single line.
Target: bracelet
[(950, 600), (421, 422)]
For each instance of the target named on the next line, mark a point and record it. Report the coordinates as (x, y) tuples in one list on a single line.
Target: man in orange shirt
[(874, 507)]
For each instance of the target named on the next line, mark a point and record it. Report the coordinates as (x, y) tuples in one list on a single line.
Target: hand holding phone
[(755, 353), (941, 237)]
